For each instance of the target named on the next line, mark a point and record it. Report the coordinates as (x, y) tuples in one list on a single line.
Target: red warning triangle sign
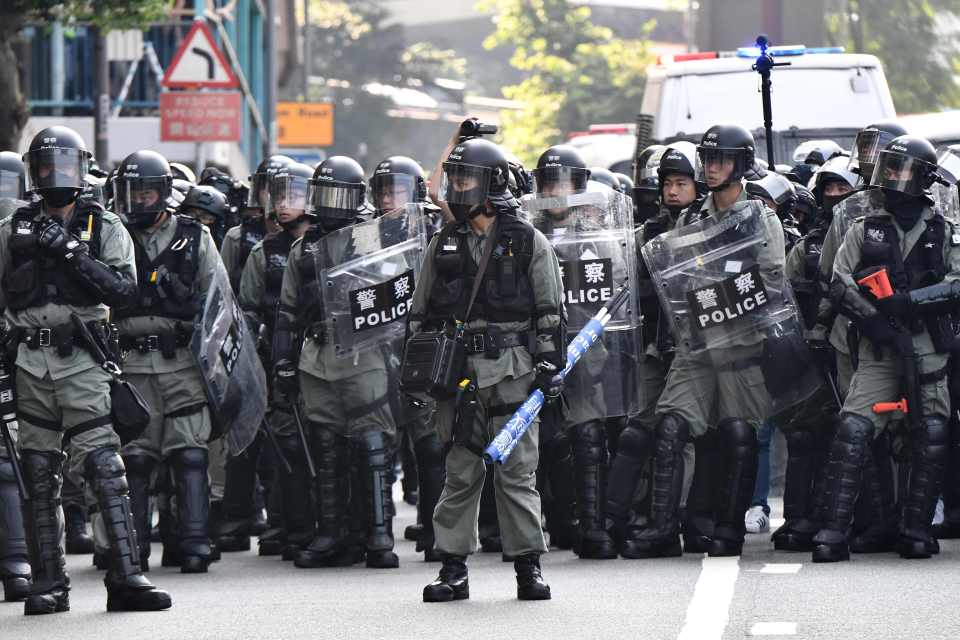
[(199, 63)]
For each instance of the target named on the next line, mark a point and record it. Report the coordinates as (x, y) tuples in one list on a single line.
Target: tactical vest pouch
[(128, 410), (20, 284), (433, 365)]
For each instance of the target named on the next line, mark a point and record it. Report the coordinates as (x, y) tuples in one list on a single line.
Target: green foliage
[(578, 73), (920, 63), (423, 60), (109, 14)]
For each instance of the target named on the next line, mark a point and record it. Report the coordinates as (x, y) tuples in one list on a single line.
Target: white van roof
[(736, 63)]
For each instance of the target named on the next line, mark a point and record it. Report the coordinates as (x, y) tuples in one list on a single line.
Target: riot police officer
[(346, 401), (176, 259), (712, 395), (905, 338), (239, 517), (209, 207), (63, 260), (396, 182), (12, 183), (870, 141), (513, 336), (260, 299), (646, 189), (675, 177)]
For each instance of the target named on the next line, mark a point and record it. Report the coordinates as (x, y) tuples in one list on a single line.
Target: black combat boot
[(530, 584), (14, 560), (560, 510), (929, 443), (662, 538), (295, 502), (590, 455), (139, 471), (800, 524), (410, 483), (875, 516), (79, 541), (237, 513), (376, 459), (330, 547), (451, 584), (700, 516), (431, 474), (193, 508), (44, 527), (848, 454), (127, 588), (634, 448), (167, 518), (736, 486), (274, 539)]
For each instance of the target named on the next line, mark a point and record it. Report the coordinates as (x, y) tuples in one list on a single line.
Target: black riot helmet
[(13, 182), (907, 165), (289, 187), (778, 192), (56, 164), (678, 157), (646, 186), (835, 170), (260, 181), (607, 177), (337, 192), (396, 182), (871, 140), (626, 183), (209, 207), (561, 164), (476, 173), (722, 144), (816, 152), (805, 210), (183, 172), (142, 188)]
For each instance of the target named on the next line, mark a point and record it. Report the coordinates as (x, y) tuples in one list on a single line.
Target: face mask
[(462, 212), (906, 209), (59, 197), (829, 202), (293, 224)]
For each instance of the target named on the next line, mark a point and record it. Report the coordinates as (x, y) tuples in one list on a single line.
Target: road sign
[(190, 116), (199, 63), (305, 124)]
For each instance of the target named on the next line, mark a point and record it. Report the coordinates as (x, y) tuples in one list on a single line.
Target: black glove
[(878, 330), (54, 240), (548, 380), (822, 353), (285, 372), (897, 305)]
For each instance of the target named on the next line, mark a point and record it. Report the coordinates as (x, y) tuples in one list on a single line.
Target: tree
[(578, 73), (14, 14), (920, 62)]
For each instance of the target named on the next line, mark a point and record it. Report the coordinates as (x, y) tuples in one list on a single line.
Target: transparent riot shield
[(368, 272), (592, 235), (946, 200), (233, 377)]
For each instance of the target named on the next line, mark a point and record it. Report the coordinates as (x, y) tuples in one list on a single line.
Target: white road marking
[(709, 609), (774, 629), (781, 568)]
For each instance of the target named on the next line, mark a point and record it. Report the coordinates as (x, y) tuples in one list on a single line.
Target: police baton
[(272, 439), (303, 439), (506, 440)]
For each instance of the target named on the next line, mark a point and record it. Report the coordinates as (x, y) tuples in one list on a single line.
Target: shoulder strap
[(484, 261)]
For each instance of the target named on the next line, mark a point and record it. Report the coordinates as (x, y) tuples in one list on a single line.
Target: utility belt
[(166, 343), (491, 341), (64, 338)]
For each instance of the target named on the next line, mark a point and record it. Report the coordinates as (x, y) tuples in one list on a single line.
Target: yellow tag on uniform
[(87, 233), (153, 277)]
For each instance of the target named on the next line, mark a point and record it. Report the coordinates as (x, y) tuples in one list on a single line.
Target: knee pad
[(738, 437), (193, 458), (590, 443), (635, 442), (935, 438), (104, 463), (855, 430), (428, 451), (376, 449), (673, 427), (139, 465)]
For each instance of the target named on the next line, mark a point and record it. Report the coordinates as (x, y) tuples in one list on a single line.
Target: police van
[(823, 93)]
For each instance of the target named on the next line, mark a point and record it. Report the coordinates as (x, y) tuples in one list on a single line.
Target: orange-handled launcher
[(879, 284), (890, 407)]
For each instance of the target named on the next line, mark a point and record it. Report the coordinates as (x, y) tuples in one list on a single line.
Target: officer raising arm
[(65, 256), (514, 342)]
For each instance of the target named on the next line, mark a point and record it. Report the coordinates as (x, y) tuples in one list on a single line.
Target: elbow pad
[(114, 289), (283, 338), (941, 298)]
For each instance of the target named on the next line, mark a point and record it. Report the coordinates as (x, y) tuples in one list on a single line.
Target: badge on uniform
[(955, 240), (876, 235)]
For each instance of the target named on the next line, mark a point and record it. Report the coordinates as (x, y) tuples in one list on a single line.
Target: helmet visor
[(257, 196), (135, 196), (333, 199), (866, 149), (11, 185), (56, 168), (716, 166), (559, 181), (289, 193), (900, 172), (393, 191), (464, 183), (948, 165)]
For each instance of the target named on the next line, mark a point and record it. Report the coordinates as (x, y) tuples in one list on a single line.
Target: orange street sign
[(305, 124)]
